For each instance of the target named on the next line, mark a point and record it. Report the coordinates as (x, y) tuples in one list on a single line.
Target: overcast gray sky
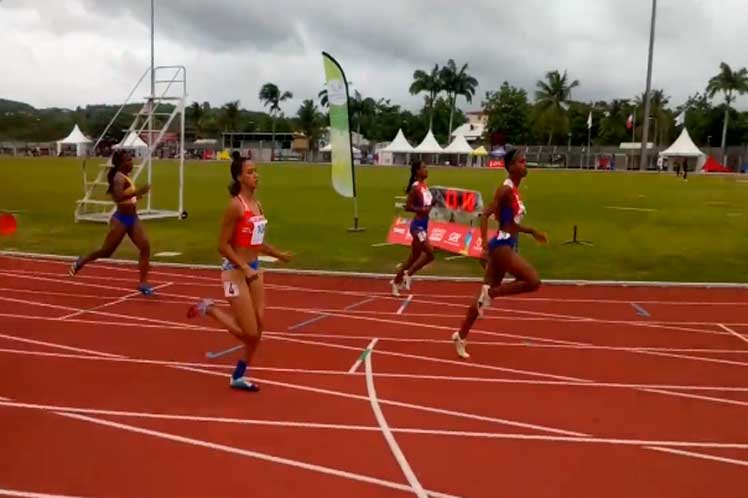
[(75, 52)]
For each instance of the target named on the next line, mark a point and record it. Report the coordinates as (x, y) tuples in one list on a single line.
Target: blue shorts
[(419, 228), (494, 243), (128, 220), (228, 265)]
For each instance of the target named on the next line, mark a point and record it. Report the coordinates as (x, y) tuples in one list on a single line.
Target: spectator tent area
[(684, 148)]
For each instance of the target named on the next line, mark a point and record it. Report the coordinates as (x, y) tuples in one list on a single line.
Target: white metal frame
[(171, 81)]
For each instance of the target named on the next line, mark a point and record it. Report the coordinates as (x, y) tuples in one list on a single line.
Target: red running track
[(569, 392)]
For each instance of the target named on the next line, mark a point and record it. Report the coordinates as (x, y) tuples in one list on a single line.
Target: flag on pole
[(680, 119), (589, 121), (630, 122), (343, 180)]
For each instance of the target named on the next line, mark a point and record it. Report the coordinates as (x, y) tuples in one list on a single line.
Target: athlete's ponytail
[(236, 171), (415, 165)]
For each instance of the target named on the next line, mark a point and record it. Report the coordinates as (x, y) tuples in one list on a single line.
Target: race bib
[(259, 223), (427, 197)]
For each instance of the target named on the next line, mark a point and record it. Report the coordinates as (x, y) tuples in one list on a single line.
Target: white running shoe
[(460, 345), (243, 384), (199, 308), (407, 280), (484, 300), (395, 288)]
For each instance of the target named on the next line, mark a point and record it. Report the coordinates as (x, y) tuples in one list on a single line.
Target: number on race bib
[(230, 289)]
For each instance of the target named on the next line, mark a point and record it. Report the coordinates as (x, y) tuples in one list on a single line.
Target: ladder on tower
[(155, 117)]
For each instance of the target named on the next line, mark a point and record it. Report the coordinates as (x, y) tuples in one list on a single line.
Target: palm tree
[(731, 83), (657, 103), (196, 113), (230, 115), (362, 109), (430, 83), (456, 83), (323, 97), (552, 97), (270, 95), (310, 121)]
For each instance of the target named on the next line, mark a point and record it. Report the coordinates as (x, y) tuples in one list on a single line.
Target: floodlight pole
[(153, 76), (647, 103), (151, 102)]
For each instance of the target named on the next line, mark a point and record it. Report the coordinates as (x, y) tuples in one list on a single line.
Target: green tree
[(322, 95), (194, 116), (310, 122), (270, 95), (731, 83), (456, 83), (508, 113), (230, 116), (658, 108), (430, 83), (552, 99)]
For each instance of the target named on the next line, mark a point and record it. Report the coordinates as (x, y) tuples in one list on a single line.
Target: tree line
[(551, 116)]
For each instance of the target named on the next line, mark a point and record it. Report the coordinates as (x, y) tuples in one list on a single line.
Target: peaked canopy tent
[(429, 146), (685, 148), (132, 142), (76, 139), (399, 145), (460, 147), (480, 155), (480, 151)]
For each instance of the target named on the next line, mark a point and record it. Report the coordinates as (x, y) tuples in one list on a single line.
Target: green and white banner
[(343, 180)]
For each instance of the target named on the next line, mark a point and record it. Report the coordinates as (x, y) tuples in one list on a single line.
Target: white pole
[(151, 101), (589, 140), (153, 77), (647, 102), (181, 154)]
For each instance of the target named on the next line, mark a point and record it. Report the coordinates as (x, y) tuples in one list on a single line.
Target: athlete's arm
[(493, 208), (230, 217), (269, 250)]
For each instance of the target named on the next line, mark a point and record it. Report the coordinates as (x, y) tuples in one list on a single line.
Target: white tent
[(685, 148), (132, 141), (429, 145), (81, 142), (328, 148), (399, 145), (356, 152), (459, 146)]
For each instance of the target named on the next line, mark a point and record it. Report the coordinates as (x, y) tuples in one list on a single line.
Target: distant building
[(288, 146), (474, 128)]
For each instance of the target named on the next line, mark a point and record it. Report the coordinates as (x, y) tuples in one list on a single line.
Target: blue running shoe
[(145, 289), (75, 267)]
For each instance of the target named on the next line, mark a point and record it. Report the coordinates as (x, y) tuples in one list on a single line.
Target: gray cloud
[(85, 51)]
